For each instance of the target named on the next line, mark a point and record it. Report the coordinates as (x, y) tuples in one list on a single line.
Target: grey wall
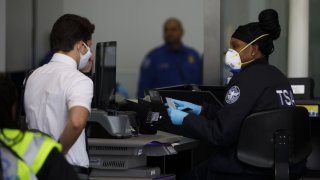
[(137, 26), (212, 43), (2, 36), (18, 35), (48, 12)]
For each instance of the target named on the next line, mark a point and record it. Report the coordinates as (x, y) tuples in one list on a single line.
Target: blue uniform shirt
[(164, 66)]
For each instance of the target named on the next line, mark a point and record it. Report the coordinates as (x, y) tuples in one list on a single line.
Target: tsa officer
[(171, 64), (256, 86)]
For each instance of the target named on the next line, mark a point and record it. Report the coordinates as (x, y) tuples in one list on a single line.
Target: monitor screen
[(302, 88), (105, 75), (298, 89), (313, 109)]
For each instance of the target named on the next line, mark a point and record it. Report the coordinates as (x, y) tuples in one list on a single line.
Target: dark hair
[(8, 97), (175, 20), (68, 30), (268, 24)]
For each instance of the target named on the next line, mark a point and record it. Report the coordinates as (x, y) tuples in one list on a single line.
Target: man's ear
[(77, 46)]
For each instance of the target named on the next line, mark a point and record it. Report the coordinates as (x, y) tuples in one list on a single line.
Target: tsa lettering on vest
[(285, 97)]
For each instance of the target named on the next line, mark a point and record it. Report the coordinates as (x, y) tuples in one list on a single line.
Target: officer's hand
[(120, 89), (182, 105), (176, 116)]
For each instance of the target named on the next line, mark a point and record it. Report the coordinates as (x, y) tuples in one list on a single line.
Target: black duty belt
[(81, 170)]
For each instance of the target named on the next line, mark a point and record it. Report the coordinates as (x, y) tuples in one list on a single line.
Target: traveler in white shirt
[(58, 96)]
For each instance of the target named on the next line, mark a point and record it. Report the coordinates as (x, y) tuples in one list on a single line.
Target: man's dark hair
[(176, 20), (8, 97), (68, 30)]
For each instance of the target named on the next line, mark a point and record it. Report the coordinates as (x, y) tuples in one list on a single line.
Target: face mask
[(233, 60), (84, 59)]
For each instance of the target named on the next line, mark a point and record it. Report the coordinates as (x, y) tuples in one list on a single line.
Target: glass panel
[(18, 36), (137, 27), (314, 45)]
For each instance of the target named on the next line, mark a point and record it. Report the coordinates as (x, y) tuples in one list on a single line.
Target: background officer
[(172, 63), (256, 86)]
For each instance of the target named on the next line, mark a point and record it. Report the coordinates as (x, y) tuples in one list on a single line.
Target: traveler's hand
[(176, 116), (182, 105)]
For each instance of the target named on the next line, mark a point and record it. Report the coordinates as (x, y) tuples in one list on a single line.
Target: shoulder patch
[(191, 59), (146, 63), (232, 95)]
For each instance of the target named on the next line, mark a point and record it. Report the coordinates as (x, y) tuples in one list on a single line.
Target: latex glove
[(120, 89), (176, 116), (181, 105)]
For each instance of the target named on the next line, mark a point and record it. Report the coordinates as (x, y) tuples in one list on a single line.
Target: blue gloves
[(181, 105), (176, 116), (120, 89)]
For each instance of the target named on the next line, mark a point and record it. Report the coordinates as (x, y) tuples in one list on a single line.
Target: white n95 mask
[(84, 59), (233, 60)]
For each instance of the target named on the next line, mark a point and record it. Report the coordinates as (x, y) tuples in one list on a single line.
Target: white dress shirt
[(51, 91)]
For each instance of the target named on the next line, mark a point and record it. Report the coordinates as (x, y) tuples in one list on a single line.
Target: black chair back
[(262, 132)]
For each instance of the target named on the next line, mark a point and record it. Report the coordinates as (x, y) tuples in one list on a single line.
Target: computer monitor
[(302, 88), (313, 106), (218, 91), (196, 97), (105, 75)]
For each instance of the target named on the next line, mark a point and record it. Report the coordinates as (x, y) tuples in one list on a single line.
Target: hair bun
[(269, 22)]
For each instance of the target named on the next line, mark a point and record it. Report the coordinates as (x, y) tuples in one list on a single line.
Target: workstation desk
[(164, 153)]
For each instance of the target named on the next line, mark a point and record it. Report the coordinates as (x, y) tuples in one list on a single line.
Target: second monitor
[(105, 75)]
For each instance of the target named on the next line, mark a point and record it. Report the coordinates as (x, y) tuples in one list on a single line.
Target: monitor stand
[(103, 125)]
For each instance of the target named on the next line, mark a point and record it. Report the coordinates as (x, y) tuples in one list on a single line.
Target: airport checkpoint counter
[(115, 154), (159, 156)]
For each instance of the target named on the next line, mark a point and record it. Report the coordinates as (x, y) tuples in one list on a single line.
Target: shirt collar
[(58, 57), (181, 48)]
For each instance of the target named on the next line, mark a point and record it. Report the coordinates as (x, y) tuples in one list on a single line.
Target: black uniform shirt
[(258, 87)]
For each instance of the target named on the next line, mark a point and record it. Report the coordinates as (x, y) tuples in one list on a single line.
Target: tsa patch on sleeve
[(232, 95), (146, 63)]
